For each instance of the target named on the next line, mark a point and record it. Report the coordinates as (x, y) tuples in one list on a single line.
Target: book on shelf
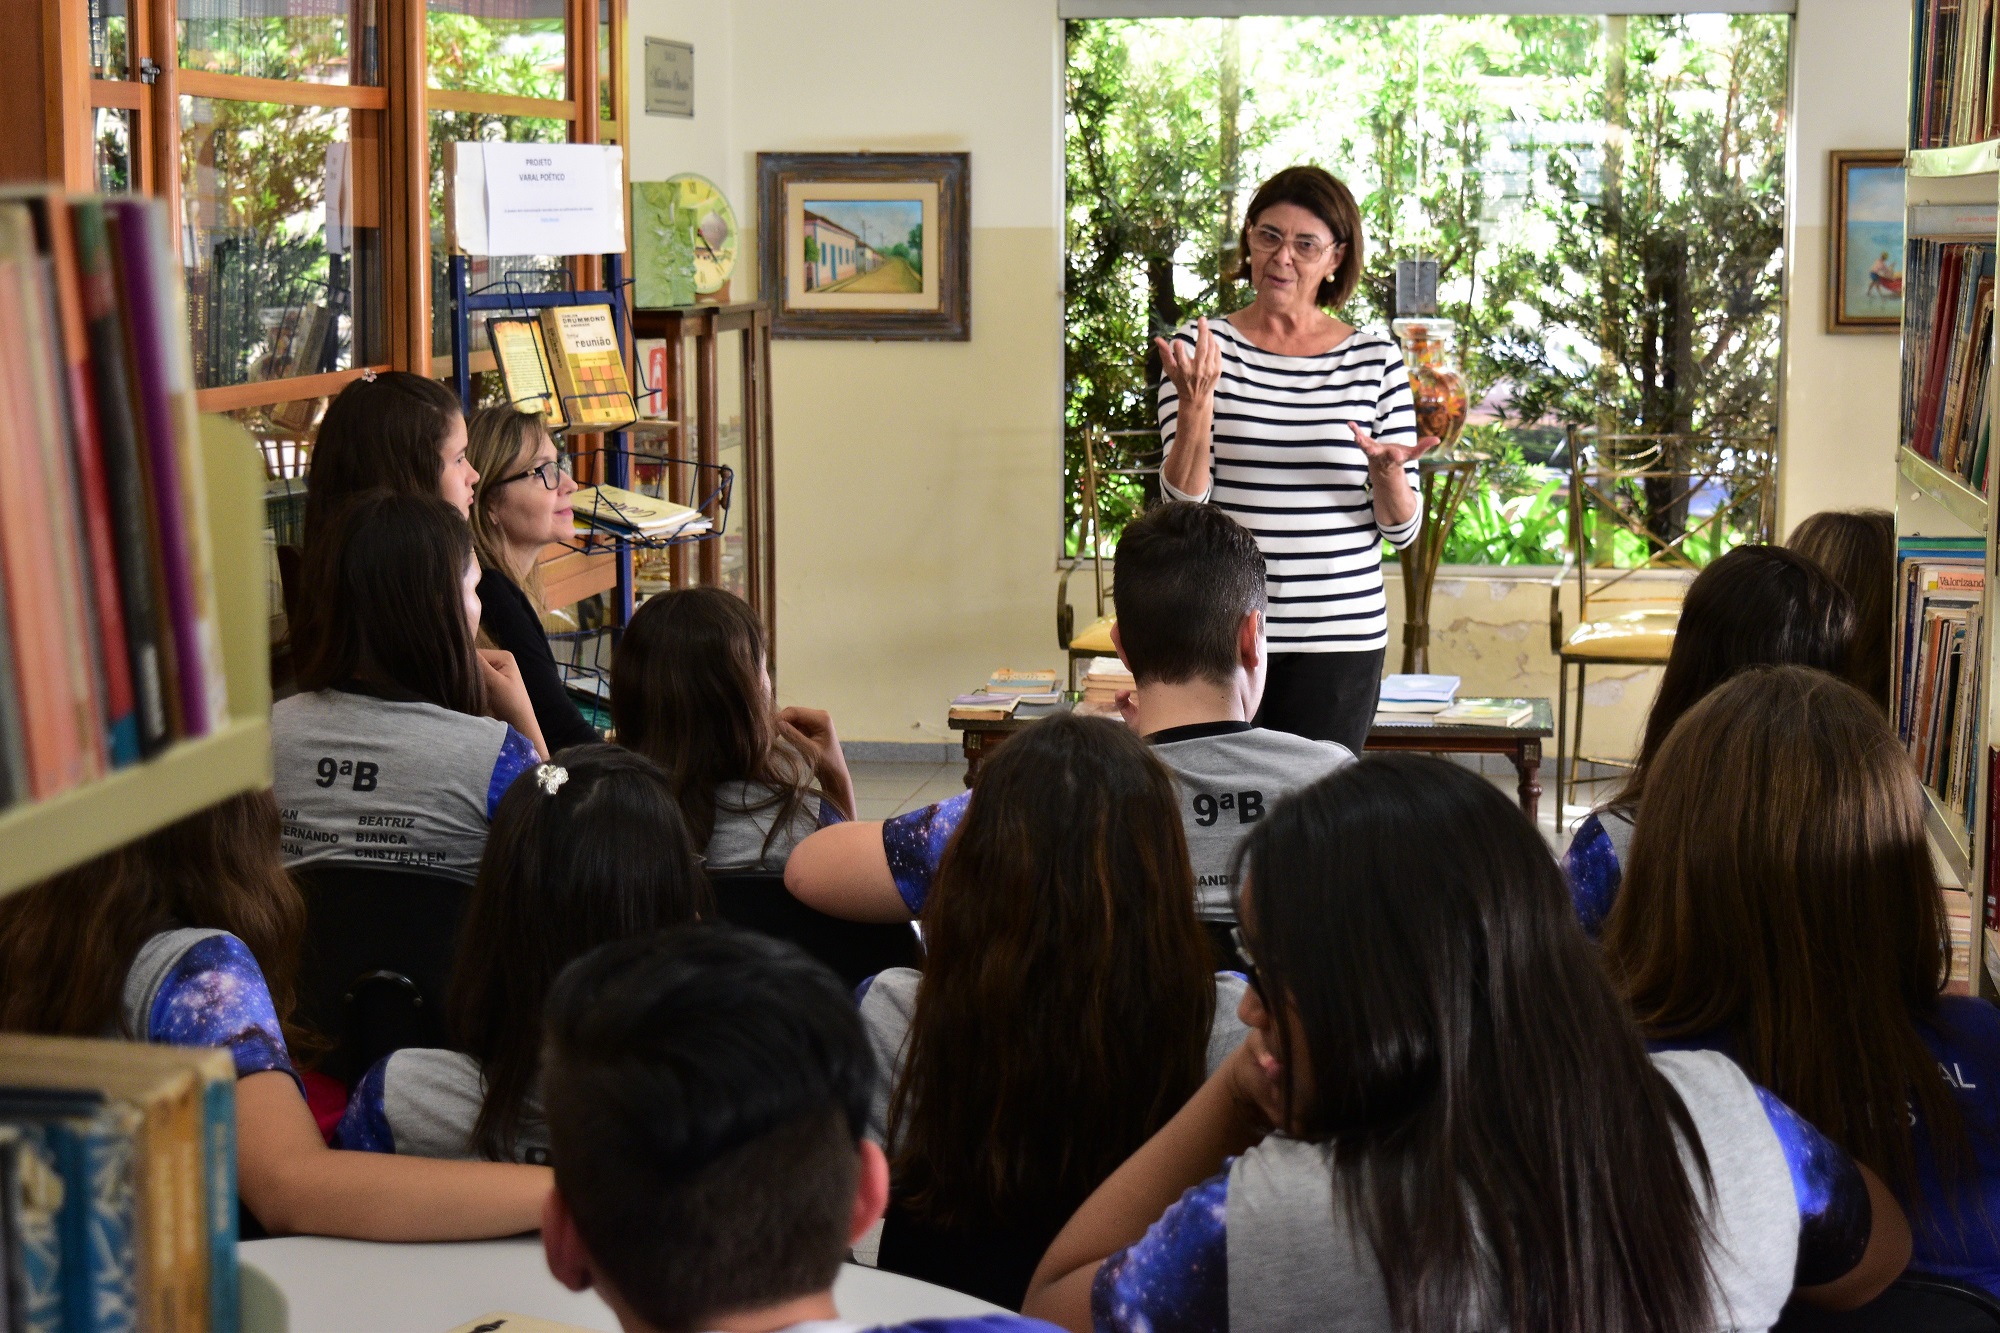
[(1958, 935), (1947, 356), (1952, 45), (1939, 658), (588, 366), (632, 514), (131, 1152), (527, 378), (110, 649)]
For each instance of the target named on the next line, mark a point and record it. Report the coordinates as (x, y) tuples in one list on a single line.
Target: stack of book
[(1948, 331), (1005, 694), (1102, 681), (109, 645), (1939, 656), (117, 1187), (1952, 73), (631, 514), (1958, 935)]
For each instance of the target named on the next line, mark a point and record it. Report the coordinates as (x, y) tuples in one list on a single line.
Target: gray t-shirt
[(745, 813), (1229, 774), (401, 785), (423, 1102), (890, 1002)]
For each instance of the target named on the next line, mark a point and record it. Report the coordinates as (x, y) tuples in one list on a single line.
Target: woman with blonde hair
[(1781, 907), (520, 507)]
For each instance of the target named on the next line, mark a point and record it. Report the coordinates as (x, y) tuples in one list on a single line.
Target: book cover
[(37, 1212), (525, 374), (1007, 680), (124, 473), (616, 509), (589, 366), (13, 758), (95, 1143)]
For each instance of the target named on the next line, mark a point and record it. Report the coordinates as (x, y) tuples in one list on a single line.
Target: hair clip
[(550, 777), (367, 376)]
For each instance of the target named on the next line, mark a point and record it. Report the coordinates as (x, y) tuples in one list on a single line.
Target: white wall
[(1850, 78)]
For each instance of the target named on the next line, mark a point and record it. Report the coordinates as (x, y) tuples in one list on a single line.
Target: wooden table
[(982, 738), (1522, 744)]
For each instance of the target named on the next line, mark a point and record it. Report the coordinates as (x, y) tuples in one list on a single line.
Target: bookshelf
[(40, 838), (1934, 503)]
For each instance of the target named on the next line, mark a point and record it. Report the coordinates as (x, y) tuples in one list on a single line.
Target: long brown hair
[(385, 431), (688, 691), (1066, 1001), (1445, 1029), (494, 438), (1780, 892), (383, 602), (602, 857), (66, 943), (1757, 606), (1857, 548)]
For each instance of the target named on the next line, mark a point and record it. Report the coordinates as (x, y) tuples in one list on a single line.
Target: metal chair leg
[(1576, 745), (1562, 736)]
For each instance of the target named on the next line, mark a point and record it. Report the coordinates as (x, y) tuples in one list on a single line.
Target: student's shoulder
[(985, 1323), (1318, 757), (1963, 1026), (889, 997), (167, 955)]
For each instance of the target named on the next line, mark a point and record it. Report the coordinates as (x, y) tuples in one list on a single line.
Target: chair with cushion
[(1645, 513), (377, 961), (856, 950), (1914, 1301)]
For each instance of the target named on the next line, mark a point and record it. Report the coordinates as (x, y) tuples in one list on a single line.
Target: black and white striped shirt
[(1285, 466)]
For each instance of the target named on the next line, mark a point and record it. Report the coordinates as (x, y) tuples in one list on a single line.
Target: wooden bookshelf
[(38, 839), (1973, 159)]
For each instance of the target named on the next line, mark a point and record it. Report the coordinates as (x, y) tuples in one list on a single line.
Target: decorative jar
[(1430, 349)]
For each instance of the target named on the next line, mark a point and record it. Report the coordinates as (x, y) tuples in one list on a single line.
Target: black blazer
[(509, 619)]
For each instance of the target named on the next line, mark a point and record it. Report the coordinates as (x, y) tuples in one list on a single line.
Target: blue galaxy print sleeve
[(517, 756), (1594, 874), (214, 995), (1176, 1278), (829, 814), (984, 1323), (1835, 1216), (364, 1126), (915, 843)]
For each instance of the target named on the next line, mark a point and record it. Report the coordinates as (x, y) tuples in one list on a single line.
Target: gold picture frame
[(1864, 241)]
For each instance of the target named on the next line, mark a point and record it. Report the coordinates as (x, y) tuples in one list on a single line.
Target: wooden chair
[(1144, 461), (1632, 502)]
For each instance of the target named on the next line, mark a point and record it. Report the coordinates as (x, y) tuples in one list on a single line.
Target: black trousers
[(1323, 696)]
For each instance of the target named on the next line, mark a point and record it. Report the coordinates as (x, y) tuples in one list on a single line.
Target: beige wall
[(918, 483)]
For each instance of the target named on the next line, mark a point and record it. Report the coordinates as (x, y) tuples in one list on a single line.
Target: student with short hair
[(519, 508), (707, 1095), (1782, 906), (1445, 1120), (1190, 600), (586, 849), (690, 690), (1857, 549), (1066, 1007), (389, 430), (190, 937), (1755, 606), (404, 735)]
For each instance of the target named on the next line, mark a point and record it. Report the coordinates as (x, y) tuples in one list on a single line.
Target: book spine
[(219, 1135), (152, 341), (36, 1206), (124, 471), (112, 1220)]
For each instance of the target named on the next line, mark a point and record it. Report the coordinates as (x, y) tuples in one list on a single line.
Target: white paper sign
[(550, 199)]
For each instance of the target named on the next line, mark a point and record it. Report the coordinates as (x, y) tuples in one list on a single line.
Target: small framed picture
[(866, 245), (1865, 241), (669, 78)]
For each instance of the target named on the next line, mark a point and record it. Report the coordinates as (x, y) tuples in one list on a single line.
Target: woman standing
[(1303, 428)]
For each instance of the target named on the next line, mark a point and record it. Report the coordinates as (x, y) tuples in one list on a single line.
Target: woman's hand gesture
[(1390, 457), (1195, 370)]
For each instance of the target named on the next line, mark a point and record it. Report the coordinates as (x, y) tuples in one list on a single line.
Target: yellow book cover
[(589, 366), (525, 373)]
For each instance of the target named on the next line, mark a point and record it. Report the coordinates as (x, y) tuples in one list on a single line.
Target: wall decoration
[(669, 78), (866, 245), (683, 241), (1865, 241)]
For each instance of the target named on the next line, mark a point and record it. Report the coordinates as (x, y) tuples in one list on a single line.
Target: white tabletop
[(340, 1286)]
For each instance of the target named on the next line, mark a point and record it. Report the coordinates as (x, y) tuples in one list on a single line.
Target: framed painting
[(1865, 241), (866, 245)]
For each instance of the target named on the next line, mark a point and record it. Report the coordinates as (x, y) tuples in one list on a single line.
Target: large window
[(1604, 198)]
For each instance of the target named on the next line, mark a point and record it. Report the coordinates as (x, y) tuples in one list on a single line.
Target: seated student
[(689, 691), (706, 1094), (520, 506), (1065, 1010), (1781, 906), (190, 937), (1190, 595), (1757, 605), (389, 430), (388, 757), (1857, 549), (1469, 1132), (585, 849)]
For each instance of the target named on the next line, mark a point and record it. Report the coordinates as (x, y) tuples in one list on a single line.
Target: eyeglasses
[(1249, 963), (550, 474), (1307, 249)]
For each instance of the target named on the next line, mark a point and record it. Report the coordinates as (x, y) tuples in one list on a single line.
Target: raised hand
[(1390, 457), (1194, 370)]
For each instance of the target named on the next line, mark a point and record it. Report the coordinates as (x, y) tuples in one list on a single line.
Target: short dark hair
[(383, 600), (706, 1091), (386, 431), (1187, 574), (1322, 194)]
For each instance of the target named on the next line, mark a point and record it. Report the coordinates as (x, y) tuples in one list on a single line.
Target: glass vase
[(1430, 349)]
